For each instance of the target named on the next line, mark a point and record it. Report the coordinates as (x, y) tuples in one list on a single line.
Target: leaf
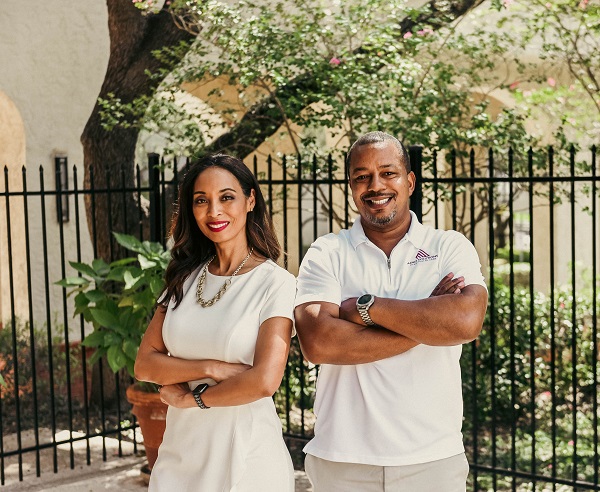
[(129, 279), (130, 348), (101, 267), (104, 317), (72, 282), (116, 358), (83, 268), (129, 242), (123, 262), (94, 339), (126, 301), (95, 295), (146, 263), (117, 274), (97, 355), (2, 382), (156, 286)]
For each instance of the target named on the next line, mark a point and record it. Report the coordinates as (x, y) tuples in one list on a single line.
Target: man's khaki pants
[(447, 475)]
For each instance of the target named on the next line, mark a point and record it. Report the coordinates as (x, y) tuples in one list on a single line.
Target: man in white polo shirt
[(389, 399)]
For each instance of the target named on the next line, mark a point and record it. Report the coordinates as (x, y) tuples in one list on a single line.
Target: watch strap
[(364, 314)]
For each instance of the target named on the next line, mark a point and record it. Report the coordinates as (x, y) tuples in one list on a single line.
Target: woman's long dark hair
[(191, 247)]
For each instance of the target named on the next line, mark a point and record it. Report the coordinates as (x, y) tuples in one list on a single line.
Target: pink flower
[(572, 87), (548, 5), (335, 61), (583, 4), (514, 85), (551, 82), (507, 3), (571, 443), (408, 35), (425, 31)]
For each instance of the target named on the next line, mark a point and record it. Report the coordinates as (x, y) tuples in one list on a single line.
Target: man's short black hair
[(377, 137)]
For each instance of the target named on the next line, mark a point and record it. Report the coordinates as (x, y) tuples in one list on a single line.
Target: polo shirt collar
[(415, 233)]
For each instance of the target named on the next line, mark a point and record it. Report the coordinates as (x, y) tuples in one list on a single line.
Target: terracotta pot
[(151, 414)]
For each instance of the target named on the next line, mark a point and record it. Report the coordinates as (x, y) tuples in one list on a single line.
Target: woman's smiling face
[(220, 206)]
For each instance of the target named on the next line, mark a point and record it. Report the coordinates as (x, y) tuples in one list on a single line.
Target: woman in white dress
[(219, 341)]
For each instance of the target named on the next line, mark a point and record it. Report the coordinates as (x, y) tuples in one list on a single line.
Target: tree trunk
[(109, 155)]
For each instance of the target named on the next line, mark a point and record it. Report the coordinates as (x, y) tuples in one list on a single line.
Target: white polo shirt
[(406, 409)]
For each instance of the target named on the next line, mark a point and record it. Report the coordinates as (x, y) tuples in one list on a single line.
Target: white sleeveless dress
[(225, 449)]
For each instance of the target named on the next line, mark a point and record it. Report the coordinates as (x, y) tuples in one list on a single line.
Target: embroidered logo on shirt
[(422, 256)]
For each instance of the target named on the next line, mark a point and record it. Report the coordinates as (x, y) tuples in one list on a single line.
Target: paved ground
[(116, 473)]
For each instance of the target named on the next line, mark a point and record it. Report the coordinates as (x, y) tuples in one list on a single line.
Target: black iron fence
[(530, 380)]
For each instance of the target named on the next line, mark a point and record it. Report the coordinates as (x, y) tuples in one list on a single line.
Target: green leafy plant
[(118, 299)]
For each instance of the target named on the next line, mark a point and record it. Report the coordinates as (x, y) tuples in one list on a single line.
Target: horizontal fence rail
[(530, 381)]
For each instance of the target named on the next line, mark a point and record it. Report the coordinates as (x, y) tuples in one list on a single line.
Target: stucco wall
[(53, 56)]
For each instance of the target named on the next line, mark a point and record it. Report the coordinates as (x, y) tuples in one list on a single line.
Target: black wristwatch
[(363, 303), (197, 391)]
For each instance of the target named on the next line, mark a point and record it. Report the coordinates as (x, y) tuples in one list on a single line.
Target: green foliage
[(118, 299), (353, 67), (27, 354), (538, 370), (566, 34)]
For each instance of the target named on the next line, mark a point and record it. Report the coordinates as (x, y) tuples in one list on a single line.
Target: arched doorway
[(12, 250)]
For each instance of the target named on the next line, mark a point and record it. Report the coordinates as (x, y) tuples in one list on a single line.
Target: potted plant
[(118, 300)]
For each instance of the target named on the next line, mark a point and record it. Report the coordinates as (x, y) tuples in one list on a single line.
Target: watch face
[(364, 299)]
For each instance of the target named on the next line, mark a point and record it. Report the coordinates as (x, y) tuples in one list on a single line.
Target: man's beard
[(381, 221)]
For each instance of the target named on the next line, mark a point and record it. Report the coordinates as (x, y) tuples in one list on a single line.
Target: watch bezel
[(367, 303)]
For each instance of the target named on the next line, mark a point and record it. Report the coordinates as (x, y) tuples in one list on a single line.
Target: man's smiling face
[(380, 185)]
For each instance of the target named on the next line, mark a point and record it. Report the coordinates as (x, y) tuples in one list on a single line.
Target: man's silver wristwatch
[(363, 303)]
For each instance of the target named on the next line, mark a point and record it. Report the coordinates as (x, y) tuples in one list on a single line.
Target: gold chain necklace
[(223, 288)]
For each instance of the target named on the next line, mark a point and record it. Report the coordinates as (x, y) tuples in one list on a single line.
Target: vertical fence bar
[(473, 344), (61, 235), (513, 372), (138, 185), (32, 352), (435, 189), (100, 364), (552, 324), (285, 212), (415, 153), (163, 202), (596, 459), (453, 175), (330, 190), (574, 381), (492, 316), (117, 379), (315, 217), (48, 321), (154, 174), (2, 390), (270, 183), (300, 255), (346, 198), (284, 208), (86, 408), (13, 321), (532, 318)]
